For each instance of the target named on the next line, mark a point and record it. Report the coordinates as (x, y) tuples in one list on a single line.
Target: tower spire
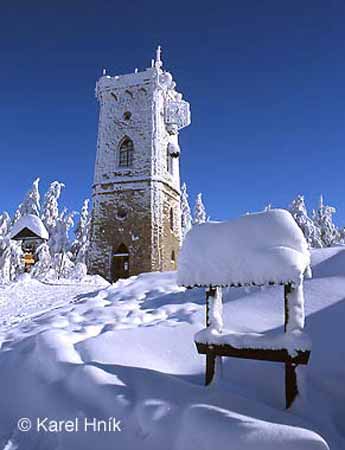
[(158, 62)]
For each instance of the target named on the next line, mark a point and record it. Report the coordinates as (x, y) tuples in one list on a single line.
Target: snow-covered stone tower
[(136, 224)]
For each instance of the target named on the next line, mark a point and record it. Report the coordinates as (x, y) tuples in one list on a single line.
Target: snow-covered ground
[(24, 299), (127, 351)]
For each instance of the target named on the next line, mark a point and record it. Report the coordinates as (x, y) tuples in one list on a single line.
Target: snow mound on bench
[(260, 248)]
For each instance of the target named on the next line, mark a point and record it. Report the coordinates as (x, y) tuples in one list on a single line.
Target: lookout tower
[(136, 192)]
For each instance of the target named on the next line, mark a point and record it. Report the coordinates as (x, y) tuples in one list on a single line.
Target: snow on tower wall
[(136, 191)]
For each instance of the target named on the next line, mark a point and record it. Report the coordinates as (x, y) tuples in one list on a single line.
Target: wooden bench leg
[(210, 367), (291, 388)]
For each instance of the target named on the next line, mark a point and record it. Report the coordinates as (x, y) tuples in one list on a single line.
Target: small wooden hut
[(30, 230), (263, 249)]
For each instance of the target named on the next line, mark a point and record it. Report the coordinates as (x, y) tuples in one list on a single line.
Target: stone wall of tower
[(132, 205), (109, 230)]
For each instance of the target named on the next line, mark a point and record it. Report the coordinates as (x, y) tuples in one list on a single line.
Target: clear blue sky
[(265, 79)]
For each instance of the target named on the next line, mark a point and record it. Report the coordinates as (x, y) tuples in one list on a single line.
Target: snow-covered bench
[(262, 249)]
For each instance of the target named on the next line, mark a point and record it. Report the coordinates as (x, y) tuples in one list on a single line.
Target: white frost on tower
[(136, 188)]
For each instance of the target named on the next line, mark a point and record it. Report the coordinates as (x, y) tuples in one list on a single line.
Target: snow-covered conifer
[(50, 211), (199, 211), (11, 260), (60, 244), (5, 223), (323, 219), (186, 215), (43, 264), (81, 243), (31, 202), (52, 218), (310, 229), (10, 252)]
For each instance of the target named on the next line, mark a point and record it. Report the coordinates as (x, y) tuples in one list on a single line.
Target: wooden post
[(210, 357), (291, 388), (210, 293), (287, 290), (210, 368)]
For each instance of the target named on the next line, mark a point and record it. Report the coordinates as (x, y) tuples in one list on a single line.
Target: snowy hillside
[(127, 351)]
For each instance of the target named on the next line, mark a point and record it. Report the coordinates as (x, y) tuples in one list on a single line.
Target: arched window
[(171, 219), (169, 161), (126, 152), (173, 259)]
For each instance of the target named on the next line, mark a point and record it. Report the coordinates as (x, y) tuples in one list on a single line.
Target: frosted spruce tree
[(58, 225), (82, 234), (10, 252), (43, 265), (60, 245), (199, 211), (11, 259), (323, 219), (50, 212), (81, 243), (186, 214), (310, 229), (30, 204), (5, 224)]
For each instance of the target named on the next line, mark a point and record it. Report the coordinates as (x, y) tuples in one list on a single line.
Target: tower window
[(126, 153), (171, 219), (121, 213), (169, 161), (173, 258)]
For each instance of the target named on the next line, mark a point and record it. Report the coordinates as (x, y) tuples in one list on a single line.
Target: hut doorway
[(120, 263)]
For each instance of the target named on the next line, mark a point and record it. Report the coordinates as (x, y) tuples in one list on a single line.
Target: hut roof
[(29, 226), (256, 249)]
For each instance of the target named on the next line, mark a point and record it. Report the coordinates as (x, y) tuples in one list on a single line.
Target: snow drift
[(127, 351)]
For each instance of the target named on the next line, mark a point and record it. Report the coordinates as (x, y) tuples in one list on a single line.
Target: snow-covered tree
[(56, 226), (323, 219), (81, 243), (5, 223), (310, 230), (199, 211), (30, 204), (60, 244), (56, 258), (11, 259), (43, 265), (50, 211), (186, 214), (10, 252)]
